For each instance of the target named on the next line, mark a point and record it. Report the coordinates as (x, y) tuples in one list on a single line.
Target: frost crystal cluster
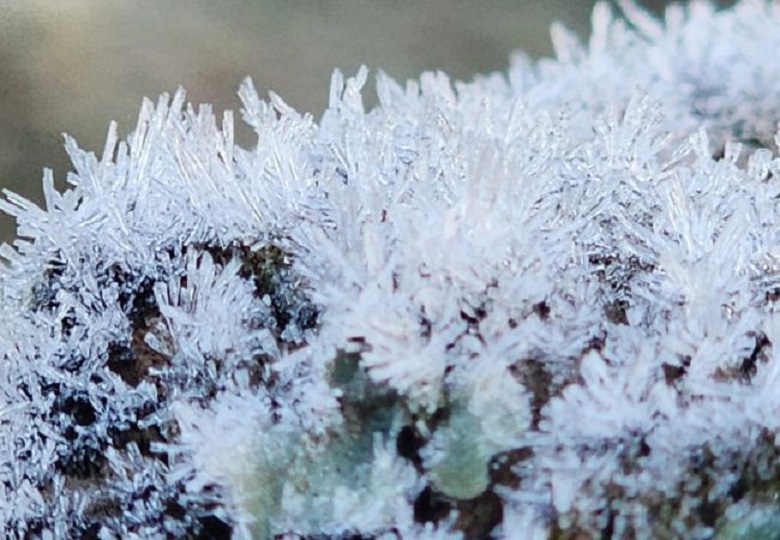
[(538, 305)]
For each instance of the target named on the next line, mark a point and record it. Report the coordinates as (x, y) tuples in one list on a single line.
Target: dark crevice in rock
[(759, 355), (534, 376), (67, 324), (78, 408), (595, 343), (746, 369), (673, 374), (408, 445), (35, 528), (503, 467), (213, 528), (542, 309), (133, 363), (477, 517), (141, 437), (82, 457), (431, 506), (607, 533), (772, 295)]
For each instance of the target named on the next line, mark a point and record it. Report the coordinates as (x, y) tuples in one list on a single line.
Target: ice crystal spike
[(540, 305)]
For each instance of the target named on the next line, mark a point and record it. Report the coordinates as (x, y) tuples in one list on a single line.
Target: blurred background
[(74, 65)]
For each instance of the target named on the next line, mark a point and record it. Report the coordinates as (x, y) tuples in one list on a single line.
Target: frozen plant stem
[(541, 304)]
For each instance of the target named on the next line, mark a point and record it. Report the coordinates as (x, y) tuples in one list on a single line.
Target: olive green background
[(74, 65)]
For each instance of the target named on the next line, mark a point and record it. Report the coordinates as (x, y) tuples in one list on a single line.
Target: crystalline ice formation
[(540, 305)]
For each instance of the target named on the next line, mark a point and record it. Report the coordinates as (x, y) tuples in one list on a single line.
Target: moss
[(343, 458), (459, 468), (262, 487), (757, 523), (366, 407)]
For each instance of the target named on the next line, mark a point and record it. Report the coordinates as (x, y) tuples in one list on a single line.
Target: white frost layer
[(604, 223)]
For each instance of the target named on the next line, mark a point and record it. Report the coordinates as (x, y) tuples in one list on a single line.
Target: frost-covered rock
[(536, 305)]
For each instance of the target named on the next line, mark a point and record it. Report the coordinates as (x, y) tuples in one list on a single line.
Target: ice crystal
[(542, 304)]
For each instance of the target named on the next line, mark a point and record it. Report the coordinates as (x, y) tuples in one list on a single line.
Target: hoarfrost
[(540, 304)]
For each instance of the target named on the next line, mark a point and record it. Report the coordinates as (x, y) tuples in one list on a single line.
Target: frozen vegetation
[(541, 304)]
